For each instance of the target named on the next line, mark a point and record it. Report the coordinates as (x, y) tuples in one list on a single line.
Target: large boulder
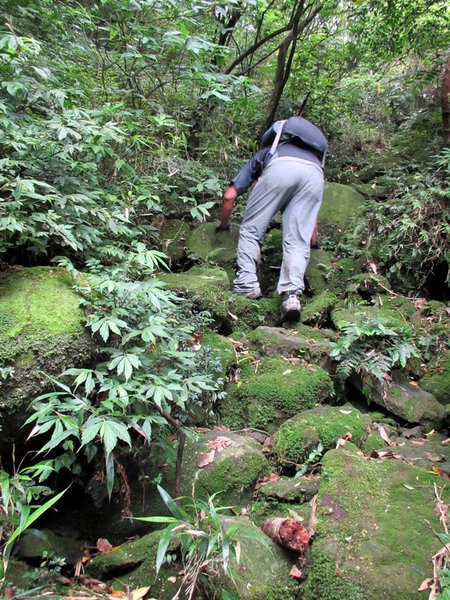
[(323, 425), (340, 203), (375, 533), (41, 335)]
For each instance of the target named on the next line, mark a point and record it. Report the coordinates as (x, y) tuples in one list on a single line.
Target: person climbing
[(289, 177)]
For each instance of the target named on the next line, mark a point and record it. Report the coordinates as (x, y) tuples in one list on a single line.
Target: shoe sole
[(291, 315)]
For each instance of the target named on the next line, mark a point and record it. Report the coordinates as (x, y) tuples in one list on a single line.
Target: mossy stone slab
[(318, 310), (375, 534), (340, 203), (298, 490), (389, 316), (263, 570), (233, 470), (41, 333), (324, 425), (214, 247), (314, 345)]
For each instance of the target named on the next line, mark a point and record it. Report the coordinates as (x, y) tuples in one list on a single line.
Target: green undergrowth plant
[(208, 547), (147, 378), (21, 504), (371, 349)]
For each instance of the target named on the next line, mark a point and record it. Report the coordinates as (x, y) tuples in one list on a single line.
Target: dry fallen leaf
[(419, 442), (206, 458), (219, 443), (425, 585), (269, 478), (445, 442), (345, 412), (234, 317), (103, 545), (172, 579), (287, 372), (292, 360), (295, 573), (385, 437), (440, 472), (434, 457)]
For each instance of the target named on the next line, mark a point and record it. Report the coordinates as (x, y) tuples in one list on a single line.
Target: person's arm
[(228, 198)]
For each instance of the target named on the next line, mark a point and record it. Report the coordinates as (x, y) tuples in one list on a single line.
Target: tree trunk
[(445, 101)]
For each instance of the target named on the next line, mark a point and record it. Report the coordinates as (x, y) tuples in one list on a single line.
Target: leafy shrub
[(147, 374), (207, 546)]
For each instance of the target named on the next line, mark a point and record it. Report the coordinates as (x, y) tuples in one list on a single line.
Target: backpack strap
[(277, 137)]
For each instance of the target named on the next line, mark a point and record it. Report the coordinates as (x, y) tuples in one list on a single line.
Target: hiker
[(289, 177)]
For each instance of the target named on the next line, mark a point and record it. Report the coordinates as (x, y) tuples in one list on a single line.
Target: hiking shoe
[(290, 307)]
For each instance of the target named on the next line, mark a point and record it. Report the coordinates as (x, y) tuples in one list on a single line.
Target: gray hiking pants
[(295, 187)]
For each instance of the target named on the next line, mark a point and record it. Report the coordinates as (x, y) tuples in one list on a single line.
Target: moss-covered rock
[(374, 540), (290, 490), (41, 334), (437, 381), (172, 239), (208, 289), (318, 310), (271, 259), (324, 425), (280, 390), (262, 573), (231, 411), (232, 471), (406, 400), (318, 272), (214, 247), (314, 345), (340, 203)]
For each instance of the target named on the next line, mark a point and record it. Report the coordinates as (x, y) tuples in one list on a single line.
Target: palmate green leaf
[(124, 364), (111, 431)]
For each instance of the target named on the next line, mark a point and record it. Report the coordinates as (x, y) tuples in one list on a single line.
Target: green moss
[(137, 561), (373, 442), (252, 313), (437, 382), (38, 299), (340, 203), (324, 424), (359, 314), (272, 257), (212, 247), (318, 272), (231, 410), (316, 312), (41, 331), (374, 518), (328, 581), (279, 390)]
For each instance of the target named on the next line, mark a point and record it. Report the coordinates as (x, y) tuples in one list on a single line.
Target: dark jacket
[(299, 139)]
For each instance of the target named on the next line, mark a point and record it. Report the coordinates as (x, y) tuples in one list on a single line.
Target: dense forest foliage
[(117, 115)]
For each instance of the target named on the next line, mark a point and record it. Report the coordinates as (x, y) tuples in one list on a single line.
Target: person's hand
[(221, 227)]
